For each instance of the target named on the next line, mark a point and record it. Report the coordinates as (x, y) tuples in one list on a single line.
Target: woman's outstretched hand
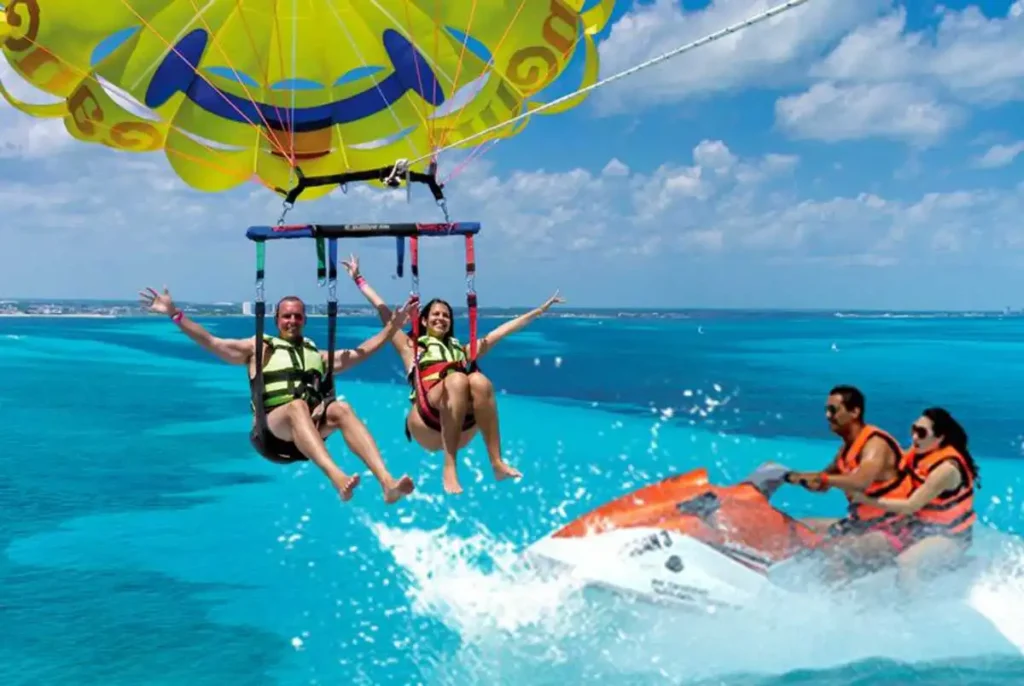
[(551, 301), (351, 266), (400, 315), (160, 303)]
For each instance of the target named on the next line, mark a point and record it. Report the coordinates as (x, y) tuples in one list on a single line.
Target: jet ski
[(699, 547), (684, 541), (691, 543)]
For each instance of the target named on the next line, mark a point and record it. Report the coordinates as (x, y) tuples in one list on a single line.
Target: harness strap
[(422, 390), (257, 385), (414, 268), (471, 302), (327, 393)]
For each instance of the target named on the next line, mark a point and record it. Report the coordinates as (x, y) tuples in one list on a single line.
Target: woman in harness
[(450, 396)]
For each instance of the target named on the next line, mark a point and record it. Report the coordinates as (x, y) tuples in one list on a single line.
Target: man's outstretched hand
[(160, 303), (400, 315)]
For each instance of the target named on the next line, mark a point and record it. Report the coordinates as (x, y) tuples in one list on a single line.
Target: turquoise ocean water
[(144, 543)]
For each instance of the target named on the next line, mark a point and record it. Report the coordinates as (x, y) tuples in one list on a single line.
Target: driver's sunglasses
[(831, 410), (919, 432)]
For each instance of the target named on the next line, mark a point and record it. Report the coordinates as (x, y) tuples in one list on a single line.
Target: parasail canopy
[(240, 90)]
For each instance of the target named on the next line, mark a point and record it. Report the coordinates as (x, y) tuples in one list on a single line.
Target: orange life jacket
[(952, 510), (899, 486)]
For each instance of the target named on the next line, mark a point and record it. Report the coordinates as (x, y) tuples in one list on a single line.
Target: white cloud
[(754, 207), (892, 110), (1000, 155), (22, 137), (974, 58), (885, 81), (778, 50), (714, 155), (863, 73), (615, 168)]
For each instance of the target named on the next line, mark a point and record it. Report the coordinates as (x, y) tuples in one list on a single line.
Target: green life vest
[(292, 372), (432, 353)]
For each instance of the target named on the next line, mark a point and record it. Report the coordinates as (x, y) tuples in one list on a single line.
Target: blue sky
[(847, 154)]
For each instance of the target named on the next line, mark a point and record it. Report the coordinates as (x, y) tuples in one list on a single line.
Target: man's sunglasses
[(831, 410)]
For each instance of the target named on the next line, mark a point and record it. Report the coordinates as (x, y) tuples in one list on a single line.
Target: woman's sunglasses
[(919, 432)]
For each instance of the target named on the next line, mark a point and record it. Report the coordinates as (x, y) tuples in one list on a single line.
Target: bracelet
[(824, 480), (360, 280), (176, 317)]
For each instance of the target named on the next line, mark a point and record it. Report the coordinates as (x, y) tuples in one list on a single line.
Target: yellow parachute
[(239, 90)]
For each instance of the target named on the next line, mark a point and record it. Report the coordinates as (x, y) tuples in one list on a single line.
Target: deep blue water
[(144, 543)]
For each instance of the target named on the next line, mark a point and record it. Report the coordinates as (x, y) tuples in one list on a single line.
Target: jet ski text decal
[(677, 590), (648, 544)]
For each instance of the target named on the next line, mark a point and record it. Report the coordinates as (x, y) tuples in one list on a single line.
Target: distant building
[(248, 311)]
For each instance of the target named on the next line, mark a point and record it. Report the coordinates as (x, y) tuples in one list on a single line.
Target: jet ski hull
[(656, 565)]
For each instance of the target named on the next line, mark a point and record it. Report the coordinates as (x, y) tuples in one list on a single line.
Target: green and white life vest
[(436, 359), (292, 372)]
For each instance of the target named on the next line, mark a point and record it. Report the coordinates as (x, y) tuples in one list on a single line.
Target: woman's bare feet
[(398, 489), (346, 485), (502, 471), (451, 480)]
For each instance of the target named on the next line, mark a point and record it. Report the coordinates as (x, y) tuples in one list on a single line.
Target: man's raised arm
[(230, 350), (346, 359)]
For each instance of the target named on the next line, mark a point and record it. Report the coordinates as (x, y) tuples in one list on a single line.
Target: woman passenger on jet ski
[(938, 516)]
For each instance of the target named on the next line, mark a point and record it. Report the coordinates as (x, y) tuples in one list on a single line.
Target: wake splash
[(999, 594), (515, 624), (477, 585)]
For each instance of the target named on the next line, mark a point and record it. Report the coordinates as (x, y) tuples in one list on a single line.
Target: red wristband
[(360, 280), (824, 479), (176, 317)]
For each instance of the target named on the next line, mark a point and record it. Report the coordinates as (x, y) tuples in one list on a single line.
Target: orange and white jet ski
[(684, 540), (704, 548)]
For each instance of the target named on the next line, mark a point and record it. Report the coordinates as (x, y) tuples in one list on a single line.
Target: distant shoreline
[(318, 315), (86, 308), (696, 316), (54, 315)]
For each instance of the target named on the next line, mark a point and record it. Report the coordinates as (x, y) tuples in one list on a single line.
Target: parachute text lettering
[(559, 34)]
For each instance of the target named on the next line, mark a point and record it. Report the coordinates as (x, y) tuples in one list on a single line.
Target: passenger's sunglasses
[(831, 410), (919, 432)]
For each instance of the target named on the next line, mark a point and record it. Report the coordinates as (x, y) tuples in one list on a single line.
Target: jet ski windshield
[(703, 506)]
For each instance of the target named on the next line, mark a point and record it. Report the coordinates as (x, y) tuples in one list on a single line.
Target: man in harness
[(297, 413)]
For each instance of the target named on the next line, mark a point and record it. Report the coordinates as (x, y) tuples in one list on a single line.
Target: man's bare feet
[(504, 471), (346, 485), (451, 480), (398, 489)]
